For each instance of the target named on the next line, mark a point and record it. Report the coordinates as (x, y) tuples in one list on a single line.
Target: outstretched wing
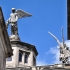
[(22, 14), (55, 38)]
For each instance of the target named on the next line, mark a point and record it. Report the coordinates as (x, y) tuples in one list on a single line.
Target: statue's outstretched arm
[(7, 22)]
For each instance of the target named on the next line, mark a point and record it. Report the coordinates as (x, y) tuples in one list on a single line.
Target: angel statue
[(14, 16), (64, 49)]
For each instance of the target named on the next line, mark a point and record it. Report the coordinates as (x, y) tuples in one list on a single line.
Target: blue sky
[(48, 15)]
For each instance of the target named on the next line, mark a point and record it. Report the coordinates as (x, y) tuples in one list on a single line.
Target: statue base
[(14, 38)]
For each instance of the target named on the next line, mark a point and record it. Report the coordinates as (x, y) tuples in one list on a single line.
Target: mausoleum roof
[(29, 46)]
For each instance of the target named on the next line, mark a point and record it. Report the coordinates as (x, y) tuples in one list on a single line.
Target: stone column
[(15, 57), (30, 61), (23, 57)]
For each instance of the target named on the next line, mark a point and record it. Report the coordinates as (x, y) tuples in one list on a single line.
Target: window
[(20, 55), (9, 59), (26, 58)]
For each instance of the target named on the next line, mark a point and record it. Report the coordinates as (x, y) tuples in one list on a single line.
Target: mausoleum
[(24, 54)]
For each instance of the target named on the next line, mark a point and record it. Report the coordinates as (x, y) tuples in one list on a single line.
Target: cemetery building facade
[(24, 55), (24, 58)]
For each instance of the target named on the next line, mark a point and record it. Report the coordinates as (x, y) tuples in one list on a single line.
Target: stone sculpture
[(64, 50), (14, 16)]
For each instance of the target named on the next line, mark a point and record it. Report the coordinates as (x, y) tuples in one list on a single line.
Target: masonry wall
[(38, 68)]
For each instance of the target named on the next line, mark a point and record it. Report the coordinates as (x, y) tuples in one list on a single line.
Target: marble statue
[(14, 16), (64, 50)]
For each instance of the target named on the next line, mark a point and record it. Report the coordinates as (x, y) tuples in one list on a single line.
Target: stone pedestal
[(14, 38)]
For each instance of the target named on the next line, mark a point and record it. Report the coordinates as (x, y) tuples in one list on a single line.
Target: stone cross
[(5, 46)]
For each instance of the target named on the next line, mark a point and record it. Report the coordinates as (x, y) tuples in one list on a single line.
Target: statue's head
[(13, 10)]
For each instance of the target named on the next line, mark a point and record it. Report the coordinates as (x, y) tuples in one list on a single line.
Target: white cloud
[(53, 51), (41, 62), (56, 53)]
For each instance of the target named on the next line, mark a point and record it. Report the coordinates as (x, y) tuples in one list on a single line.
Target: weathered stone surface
[(25, 48), (2, 56), (38, 68), (4, 36), (5, 46)]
